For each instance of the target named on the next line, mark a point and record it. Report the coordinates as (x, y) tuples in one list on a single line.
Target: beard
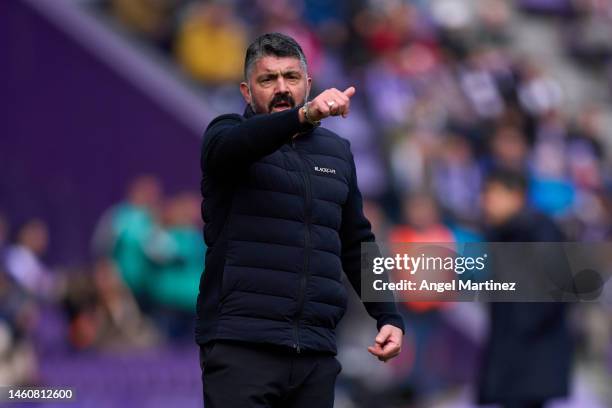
[(282, 101), (278, 99)]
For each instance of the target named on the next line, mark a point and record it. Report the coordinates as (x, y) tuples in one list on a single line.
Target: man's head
[(34, 234), (421, 210), (145, 191), (503, 196), (275, 74)]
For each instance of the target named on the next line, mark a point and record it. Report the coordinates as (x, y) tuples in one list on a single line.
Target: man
[(283, 217), (528, 354)]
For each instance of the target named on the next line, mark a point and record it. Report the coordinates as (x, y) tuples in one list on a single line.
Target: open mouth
[(281, 106), (281, 102)]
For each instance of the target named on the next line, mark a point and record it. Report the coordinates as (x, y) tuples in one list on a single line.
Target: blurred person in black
[(528, 354), (283, 218)]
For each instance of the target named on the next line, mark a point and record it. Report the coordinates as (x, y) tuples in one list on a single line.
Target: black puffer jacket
[(283, 218)]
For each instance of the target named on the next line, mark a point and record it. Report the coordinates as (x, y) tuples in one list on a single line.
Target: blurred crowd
[(443, 100), (138, 292), (443, 97)]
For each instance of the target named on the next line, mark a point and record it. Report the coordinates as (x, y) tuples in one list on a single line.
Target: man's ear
[(246, 92)]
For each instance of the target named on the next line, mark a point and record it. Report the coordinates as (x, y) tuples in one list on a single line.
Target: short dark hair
[(276, 44), (510, 179)]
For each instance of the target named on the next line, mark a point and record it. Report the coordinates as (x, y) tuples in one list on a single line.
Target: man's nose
[(281, 85)]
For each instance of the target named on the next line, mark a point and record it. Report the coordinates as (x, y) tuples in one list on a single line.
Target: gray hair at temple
[(274, 44)]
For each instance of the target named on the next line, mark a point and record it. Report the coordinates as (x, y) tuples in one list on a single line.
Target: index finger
[(350, 91)]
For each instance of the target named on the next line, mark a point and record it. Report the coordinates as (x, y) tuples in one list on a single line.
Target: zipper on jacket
[(306, 264)]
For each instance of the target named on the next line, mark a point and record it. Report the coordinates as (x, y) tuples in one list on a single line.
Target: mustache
[(278, 98)]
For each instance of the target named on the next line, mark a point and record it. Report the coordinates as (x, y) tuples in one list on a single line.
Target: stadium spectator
[(153, 20), (528, 354), (457, 180), (423, 225), (174, 282), (24, 260), (102, 312), (126, 233), (210, 42), (19, 304)]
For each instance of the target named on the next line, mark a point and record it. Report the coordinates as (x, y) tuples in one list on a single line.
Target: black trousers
[(241, 375), (531, 404)]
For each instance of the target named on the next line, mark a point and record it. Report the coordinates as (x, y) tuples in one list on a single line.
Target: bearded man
[(283, 220)]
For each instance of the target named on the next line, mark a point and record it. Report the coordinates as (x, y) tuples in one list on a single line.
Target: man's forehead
[(271, 63)]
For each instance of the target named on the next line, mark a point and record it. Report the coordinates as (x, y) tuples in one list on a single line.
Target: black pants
[(240, 375), (530, 404)]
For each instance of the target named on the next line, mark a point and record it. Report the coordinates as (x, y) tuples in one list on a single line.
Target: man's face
[(276, 84), (499, 203)]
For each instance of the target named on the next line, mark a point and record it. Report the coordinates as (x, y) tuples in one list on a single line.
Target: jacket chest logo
[(325, 170)]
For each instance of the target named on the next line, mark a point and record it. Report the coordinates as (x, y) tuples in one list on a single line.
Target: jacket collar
[(248, 112)]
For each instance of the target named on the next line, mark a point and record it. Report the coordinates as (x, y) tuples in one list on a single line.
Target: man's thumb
[(382, 335), (350, 91)]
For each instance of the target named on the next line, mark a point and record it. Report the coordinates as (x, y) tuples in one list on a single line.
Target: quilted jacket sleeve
[(231, 140), (356, 229)]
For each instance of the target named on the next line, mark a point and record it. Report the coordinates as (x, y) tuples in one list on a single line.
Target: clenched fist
[(388, 343)]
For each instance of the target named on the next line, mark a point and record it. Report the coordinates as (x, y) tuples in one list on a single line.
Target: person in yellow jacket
[(210, 44)]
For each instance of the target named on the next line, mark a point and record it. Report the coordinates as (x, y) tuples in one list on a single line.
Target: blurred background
[(104, 103)]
